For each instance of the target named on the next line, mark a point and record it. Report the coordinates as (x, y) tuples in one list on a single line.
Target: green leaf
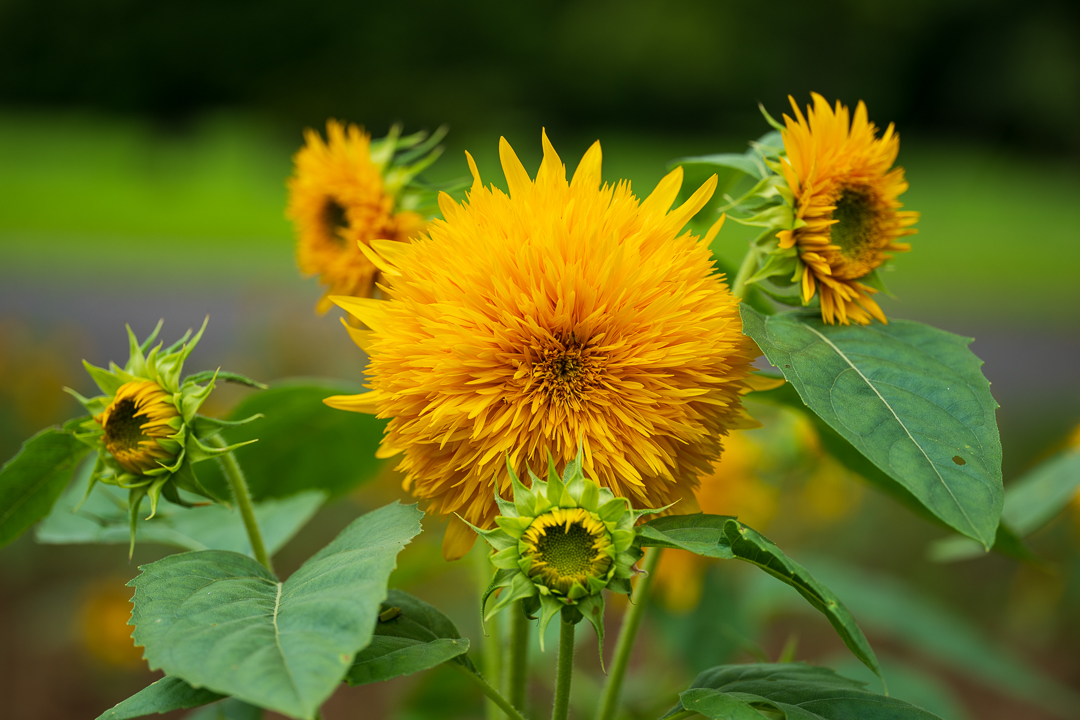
[(901, 612), (167, 694), (726, 538), (103, 518), (302, 443), (31, 481), (794, 690), (909, 397), (223, 622), (227, 709), (410, 636)]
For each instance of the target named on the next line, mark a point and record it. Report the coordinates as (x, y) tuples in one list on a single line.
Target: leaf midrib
[(852, 365)]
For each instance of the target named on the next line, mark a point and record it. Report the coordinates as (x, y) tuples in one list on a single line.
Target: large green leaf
[(411, 636), (892, 608), (227, 709), (795, 691), (909, 397), (302, 443), (167, 694), (223, 622), (103, 518), (31, 481), (723, 537)]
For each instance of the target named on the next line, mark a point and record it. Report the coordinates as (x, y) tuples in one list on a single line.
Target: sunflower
[(847, 211), (339, 198), (562, 312)]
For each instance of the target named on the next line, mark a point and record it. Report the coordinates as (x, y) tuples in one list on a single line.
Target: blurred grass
[(83, 196)]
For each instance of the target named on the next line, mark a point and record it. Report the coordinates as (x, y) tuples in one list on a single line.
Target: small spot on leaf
[(959, 460)]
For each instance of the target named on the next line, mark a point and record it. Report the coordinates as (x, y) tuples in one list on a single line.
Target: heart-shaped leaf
[(725, 538), (411, 636), (223, 622), (31, 481), (795, 691), (909, 397)]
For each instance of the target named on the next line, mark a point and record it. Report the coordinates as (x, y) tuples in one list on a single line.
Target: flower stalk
[(492, 694), (240, 493), (565, 672), (517, 665), (609, 700)]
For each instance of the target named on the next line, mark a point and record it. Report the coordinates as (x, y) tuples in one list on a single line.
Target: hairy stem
[(565, 672), (240, 493), (609, 700), (517, 670), (492, 694), (749, 265)]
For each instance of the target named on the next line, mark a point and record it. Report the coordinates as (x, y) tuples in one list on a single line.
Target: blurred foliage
[(994, 69)]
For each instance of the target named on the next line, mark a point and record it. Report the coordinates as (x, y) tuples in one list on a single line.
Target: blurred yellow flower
[(846, 206), (102, 624), (338, 199), (564, 312), (733, 488)]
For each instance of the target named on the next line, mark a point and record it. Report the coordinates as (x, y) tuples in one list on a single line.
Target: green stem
[(240, 494), (491, 656), (491, 692), (749, 265), (565, 672), (609, 700), (517, 671)]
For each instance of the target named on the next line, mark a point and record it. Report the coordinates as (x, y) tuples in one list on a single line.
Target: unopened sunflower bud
[(558, 545)]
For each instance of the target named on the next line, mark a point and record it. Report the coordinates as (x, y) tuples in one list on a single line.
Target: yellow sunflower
[(338, 200), (846, 196), (564, 312)]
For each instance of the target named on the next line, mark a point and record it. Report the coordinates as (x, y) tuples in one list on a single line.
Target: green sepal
[(107, 381), (549, 608), (524, 498), (135, 496), (203, 426), (224, 376), (771, 120), (592, 609)]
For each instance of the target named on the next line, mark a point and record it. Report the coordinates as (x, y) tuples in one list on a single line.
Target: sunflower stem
[(517, 670), (749, 264), (609, 700), (491, 657), (565, 672), (492, 694), (240, 493)]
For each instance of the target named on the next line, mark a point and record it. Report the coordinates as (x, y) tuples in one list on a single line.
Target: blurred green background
[(143, 153)]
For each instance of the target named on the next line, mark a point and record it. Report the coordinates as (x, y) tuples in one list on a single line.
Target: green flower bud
[(558, 545)]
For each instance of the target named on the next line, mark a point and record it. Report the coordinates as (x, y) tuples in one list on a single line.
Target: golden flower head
[(558, 544), (522, 324), (145, 427), (350, 190), (847, 212)]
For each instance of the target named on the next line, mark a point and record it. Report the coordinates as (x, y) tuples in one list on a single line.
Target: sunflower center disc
[(856, 222), (569, 551), (123, 431), (334, 216)]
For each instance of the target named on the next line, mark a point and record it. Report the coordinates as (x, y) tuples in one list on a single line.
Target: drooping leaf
[(103, 518), (723, 537), (795, 691), (909, 397), (167, 694), (302, 443), (221, 621), (895, 609), (31, 481), (411, 636)]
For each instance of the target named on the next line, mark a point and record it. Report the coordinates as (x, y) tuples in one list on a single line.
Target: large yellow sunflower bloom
[(839, 173), (564, 312), (338, 200)]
